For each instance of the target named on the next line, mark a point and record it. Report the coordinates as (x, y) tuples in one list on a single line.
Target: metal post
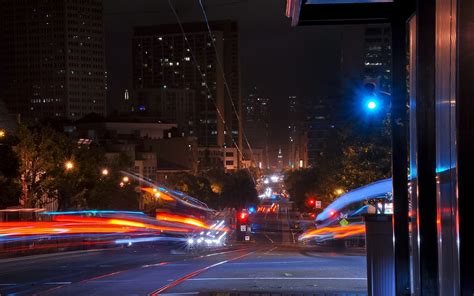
[(426, 150), (465, 143), (400, 148)]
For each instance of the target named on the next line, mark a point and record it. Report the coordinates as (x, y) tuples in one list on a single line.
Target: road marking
[(268, 252), (272, 262), (58, 283), (181, 293), (221, 253), (193, 274), (277, 278), (268, 237), (154, 265)]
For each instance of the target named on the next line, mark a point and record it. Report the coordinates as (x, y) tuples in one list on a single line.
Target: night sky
[(279, 59)]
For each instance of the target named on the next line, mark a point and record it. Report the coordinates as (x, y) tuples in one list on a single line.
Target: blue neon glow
[(376, 189), (443, 169), (251, 210)]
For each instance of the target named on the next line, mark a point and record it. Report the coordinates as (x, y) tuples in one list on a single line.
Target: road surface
[(264, 265)]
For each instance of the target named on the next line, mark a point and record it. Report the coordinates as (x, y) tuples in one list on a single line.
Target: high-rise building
[(320, 119), (298, 133), (52, 58), (256, 124), (378, 57), (180, 79)]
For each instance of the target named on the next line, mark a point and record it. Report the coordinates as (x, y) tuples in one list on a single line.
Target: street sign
[(243, 228), (247, 237), (343, 222), (318, 204)]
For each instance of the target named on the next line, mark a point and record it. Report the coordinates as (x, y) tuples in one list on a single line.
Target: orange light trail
[(181, 219), (121, 222), (153, 191), (336, 231)]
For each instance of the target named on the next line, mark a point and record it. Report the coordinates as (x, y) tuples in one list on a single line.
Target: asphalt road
[(260, 266)]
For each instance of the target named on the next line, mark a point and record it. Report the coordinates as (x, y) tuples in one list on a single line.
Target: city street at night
[(236, 147)]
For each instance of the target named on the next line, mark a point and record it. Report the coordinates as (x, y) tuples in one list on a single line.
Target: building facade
[(256, 113), (298, 133), (198, 82), (52, 58), (378, 57)]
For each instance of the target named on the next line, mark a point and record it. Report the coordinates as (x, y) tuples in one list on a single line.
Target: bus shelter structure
[(432, 133)]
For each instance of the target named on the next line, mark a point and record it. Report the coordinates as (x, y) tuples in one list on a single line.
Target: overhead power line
[(193, 56)]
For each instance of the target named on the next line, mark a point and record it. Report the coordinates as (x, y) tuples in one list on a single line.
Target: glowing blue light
[(141, 108), (251, 210), (371, 105)]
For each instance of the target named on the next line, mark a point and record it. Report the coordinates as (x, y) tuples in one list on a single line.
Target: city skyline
[(343, 61)]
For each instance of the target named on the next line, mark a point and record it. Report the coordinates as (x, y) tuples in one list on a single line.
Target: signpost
[(318, 204)]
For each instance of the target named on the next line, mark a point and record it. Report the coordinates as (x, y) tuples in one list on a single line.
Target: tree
[(106, 193), (217, 188), (196, 186), (43, 152), (309, 183), (353, 156), (239, 190), (9, 185)]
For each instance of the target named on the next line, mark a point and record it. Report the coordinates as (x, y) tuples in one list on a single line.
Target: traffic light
[(243, 217), (371, 103), (371, 100), (311, 202)]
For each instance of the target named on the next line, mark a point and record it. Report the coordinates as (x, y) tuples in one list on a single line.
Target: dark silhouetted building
[(181, 81), (378, 57), (298, 136), (52, 58), (256, 125)]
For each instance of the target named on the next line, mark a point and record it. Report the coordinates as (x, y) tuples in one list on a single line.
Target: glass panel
[(412, 186), (446, 176), (346, 1)]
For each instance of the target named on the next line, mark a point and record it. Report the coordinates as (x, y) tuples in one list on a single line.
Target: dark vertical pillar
[(465, 143), (400, 148), (426, 153)]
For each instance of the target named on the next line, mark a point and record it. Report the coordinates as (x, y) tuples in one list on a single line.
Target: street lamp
[(125, 179), (105, 172), (68, 165), (2, 133), (339, 191)]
